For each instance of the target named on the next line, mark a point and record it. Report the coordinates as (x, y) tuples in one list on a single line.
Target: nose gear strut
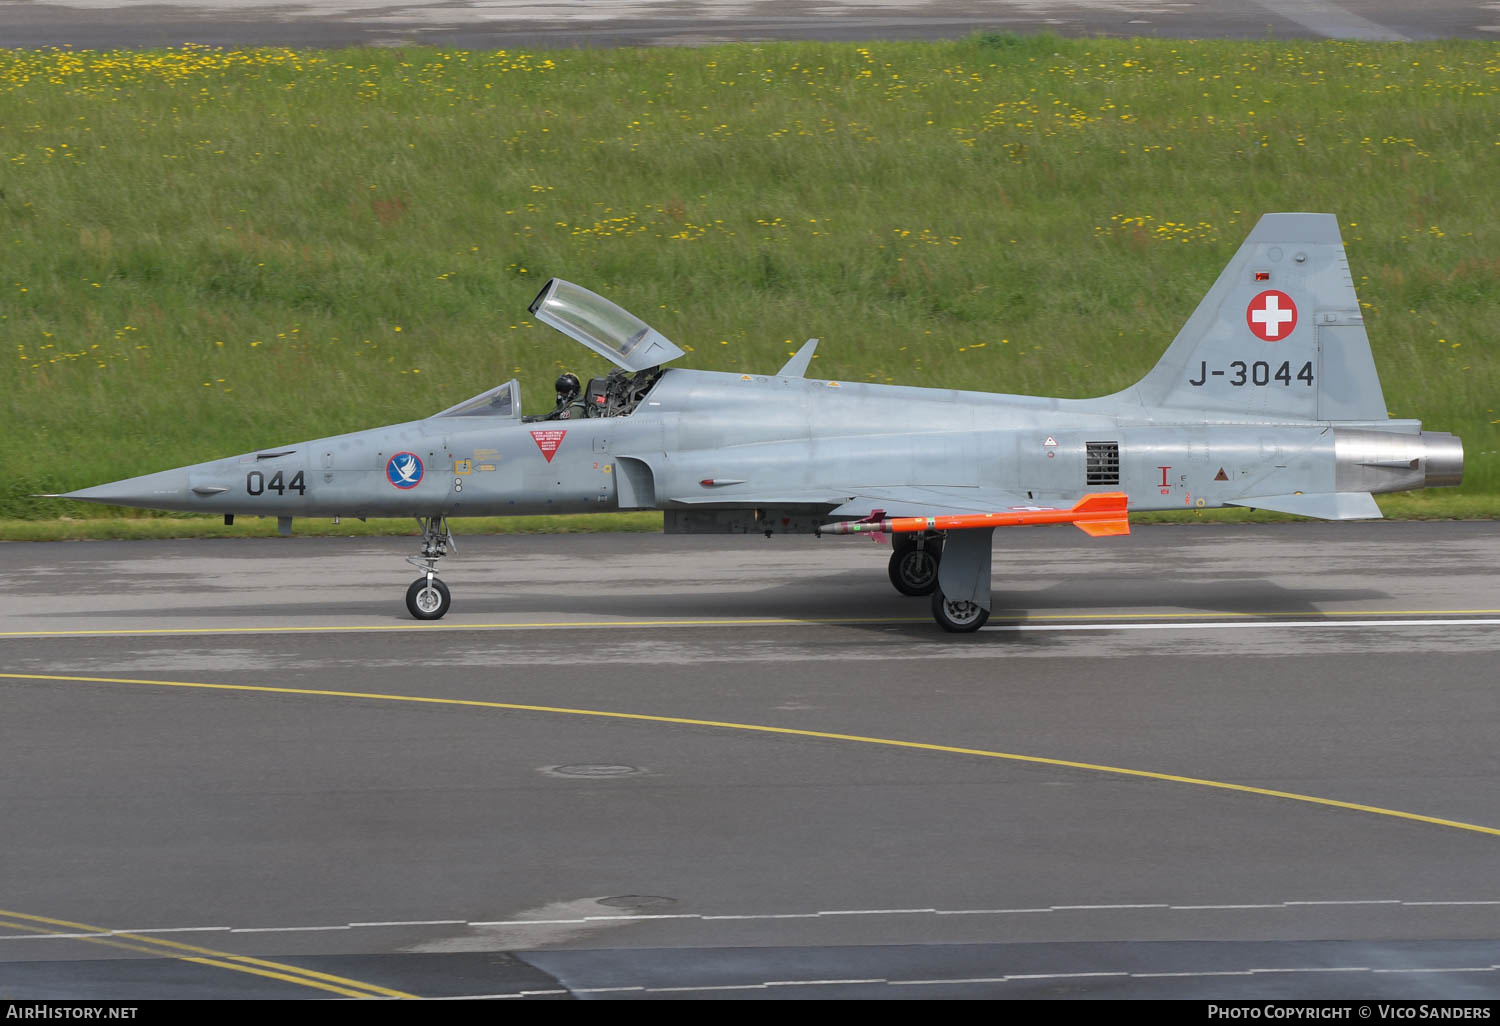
[(428, 598)]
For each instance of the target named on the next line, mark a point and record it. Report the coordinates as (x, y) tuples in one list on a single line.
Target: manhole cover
[(638, 902), (583, 770)]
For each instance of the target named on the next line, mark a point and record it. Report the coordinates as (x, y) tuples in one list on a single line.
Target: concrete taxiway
[(1196, 761), (491, 24)]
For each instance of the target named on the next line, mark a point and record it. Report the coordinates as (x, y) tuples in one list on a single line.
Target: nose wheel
[(428, 597)]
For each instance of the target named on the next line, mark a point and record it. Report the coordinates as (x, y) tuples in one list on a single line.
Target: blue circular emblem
[(404, 470)]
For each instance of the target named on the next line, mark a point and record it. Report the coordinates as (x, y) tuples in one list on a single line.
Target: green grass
[(208, 251)]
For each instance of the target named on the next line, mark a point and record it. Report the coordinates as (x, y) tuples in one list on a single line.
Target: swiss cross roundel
[(1271, 315)]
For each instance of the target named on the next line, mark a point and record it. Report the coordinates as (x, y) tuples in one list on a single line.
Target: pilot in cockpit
[(570, 404)]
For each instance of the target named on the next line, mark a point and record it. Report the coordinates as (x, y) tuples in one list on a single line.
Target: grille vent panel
[(1103, 467)]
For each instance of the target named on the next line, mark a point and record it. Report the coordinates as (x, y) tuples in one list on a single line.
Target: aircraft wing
[(896, 500)]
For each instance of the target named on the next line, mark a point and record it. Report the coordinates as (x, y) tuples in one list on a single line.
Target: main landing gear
[(957, 617), (915, 559), (428, 598), (914, 562), (954, 568)]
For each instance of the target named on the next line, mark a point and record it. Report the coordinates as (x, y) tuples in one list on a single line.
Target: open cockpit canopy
[(616, 334)]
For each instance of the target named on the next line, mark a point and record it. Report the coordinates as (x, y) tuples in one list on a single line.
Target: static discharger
[(1097, 514)]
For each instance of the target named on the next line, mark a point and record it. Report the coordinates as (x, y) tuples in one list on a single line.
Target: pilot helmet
[(567, 385)]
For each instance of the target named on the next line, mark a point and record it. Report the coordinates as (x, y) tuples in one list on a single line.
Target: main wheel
[(960, 617), (914, 571), (428, 600)]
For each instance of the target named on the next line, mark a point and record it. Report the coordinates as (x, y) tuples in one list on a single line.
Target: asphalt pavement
[(642, 766)]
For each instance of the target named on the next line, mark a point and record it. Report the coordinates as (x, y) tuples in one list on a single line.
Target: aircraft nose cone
[(167, 489)]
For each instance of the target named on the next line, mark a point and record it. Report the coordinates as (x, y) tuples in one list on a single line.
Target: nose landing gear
[(428, 597)]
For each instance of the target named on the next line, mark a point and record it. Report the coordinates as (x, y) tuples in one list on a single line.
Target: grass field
[(211, 251)]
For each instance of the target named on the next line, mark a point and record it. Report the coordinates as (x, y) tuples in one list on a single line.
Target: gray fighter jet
[(1267, 398)]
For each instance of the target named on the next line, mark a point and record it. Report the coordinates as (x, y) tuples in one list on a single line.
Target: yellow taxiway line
[(785, 731), (203, 956), (999, 619)]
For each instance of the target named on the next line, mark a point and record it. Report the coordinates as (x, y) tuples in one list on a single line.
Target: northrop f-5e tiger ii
[(1267, 398)]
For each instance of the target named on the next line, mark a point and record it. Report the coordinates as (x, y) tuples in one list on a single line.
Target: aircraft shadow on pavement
[(859, 600), (1251, 596)]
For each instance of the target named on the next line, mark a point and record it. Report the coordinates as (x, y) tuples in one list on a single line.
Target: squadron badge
[(404, 470)]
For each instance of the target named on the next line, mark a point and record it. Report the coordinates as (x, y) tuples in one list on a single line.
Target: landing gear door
[(615, 334)]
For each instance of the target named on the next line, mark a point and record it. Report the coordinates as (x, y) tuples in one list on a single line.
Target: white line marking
[(1223, 972), (764, 916), (1236, 625), (769, 915), (1057, 976), (673, 915), (1187, 908), (1079, 908), (285, 929), (500, 997), (816, 983), (632, 919), (606, 990), (176, 929), (726, 986), (939, 983), (1450, 969)]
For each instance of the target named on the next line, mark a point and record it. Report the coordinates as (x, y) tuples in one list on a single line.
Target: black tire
[(957, 617), (428, 603), (914, 571)]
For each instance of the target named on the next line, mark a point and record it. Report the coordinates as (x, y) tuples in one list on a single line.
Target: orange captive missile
[(1097, 514)]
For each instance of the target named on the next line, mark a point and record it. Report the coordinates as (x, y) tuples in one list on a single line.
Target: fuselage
[(705, 440)]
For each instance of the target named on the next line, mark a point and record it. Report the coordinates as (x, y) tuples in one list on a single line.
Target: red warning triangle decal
[(548, 441), (1221, 476)]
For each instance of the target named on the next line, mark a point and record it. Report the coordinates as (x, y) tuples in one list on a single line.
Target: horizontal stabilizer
[(1098, 514), (1322, 505)]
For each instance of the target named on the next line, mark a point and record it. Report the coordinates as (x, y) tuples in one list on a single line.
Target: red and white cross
[(1271, 315)]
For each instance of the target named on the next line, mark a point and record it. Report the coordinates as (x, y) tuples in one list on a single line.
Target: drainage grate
[(1103, 463)]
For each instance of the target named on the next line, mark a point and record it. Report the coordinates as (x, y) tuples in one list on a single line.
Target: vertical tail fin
[(1279, 335)]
